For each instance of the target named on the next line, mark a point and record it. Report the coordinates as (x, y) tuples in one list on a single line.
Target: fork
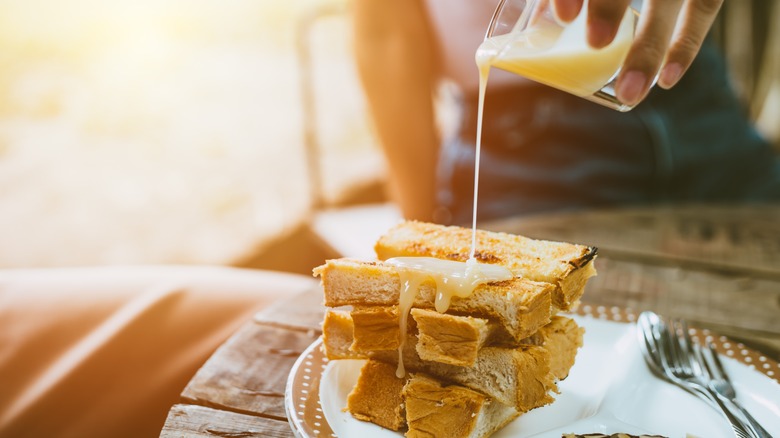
[(667, 359), (721, 385), (701, 372), (650, 340)]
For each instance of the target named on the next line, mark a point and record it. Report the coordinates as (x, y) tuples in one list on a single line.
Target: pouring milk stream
[(542, 52)]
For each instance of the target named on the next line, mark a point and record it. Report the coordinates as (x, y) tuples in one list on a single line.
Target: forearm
[(397, 62)]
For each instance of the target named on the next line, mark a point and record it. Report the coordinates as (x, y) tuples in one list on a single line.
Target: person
[(689, 139)]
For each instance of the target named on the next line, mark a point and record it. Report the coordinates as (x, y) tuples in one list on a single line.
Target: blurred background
[(174, 131), (204, 132)]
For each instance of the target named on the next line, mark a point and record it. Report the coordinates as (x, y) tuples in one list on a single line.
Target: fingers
[(647, 53), (604, 18), (695, 21), (567, 10), (669, 34)]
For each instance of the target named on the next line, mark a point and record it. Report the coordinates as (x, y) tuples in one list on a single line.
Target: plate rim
[(297, 424), (615, 314)]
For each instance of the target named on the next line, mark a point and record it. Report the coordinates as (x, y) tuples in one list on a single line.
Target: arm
[(396, 62)]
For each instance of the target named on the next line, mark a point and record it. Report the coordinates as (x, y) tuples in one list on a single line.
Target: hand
[(668, 37)]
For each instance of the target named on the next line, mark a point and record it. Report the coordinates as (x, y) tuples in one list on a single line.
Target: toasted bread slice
[(562, 337), (457, 340), (520, 377), (442, 337), (428, 406), (519, 305), (434, 408), (338, 336), (566, 266), (451, 339), (377, 396), (376, 328)]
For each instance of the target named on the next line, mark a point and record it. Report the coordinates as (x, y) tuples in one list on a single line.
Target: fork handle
[(753, 426), (738, 425)]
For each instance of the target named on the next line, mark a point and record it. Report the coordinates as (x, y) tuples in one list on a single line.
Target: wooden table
[(717, 266)]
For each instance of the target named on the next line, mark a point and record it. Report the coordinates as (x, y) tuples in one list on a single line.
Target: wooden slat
[(730, 304), (709, 297), (188, 421), (743, 239), (302, 311), (249, 372)]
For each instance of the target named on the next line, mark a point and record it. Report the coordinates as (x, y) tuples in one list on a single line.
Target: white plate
[(609, 390)]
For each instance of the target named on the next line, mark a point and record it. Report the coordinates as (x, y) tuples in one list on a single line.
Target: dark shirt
[(545, 150)]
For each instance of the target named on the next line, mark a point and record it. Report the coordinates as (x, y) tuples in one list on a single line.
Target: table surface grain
[(716, 266)]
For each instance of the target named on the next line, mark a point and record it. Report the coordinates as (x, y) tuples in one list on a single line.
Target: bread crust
[(519, 377), (423, 404), (519, 305), (567, 266), (435, 408), (377, 396), (493, 354)]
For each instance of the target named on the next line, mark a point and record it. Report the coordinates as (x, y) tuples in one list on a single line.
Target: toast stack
[(466, 372)]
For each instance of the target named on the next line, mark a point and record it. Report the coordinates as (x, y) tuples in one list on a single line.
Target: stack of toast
[(493, 354)]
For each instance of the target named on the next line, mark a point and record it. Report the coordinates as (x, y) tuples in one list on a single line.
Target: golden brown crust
[(519, 377), (427, 405), (451, 339), (377, 396), (519, 305), (337, 336), (535, 377), (538, 260), (493, 355), (562, 337), (376, 328), (571, 287), (457, 340), (435, 409)]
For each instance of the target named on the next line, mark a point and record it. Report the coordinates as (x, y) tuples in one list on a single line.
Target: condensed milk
[(452, 279)]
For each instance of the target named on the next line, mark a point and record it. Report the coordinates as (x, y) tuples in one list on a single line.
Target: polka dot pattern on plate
[(302, 401), (304, 411), (723, 345)]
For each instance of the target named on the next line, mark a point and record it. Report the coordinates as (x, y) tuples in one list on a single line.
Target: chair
[(748, 34), (348, 223)]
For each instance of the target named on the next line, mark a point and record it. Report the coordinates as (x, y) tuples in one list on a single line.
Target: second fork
[(668, 359), (720, 384)]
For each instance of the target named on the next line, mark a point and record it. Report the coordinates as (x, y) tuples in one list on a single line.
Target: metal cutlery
[(670, 355), (720, 384), (704, 372)]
